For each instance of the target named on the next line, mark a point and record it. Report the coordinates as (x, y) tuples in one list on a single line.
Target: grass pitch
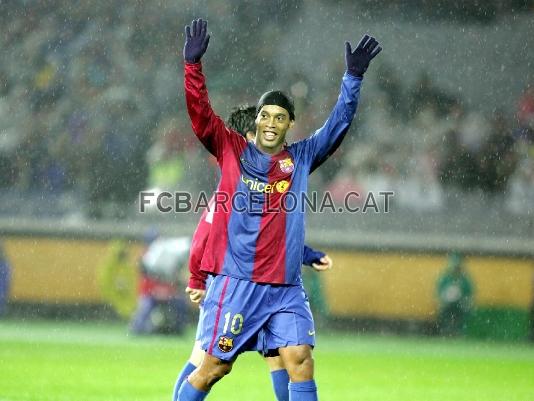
[(64, 361)]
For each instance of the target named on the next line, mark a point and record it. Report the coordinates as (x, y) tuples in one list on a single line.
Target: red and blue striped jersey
[(253, 236)]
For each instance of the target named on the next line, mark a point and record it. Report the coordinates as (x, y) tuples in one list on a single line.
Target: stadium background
[(92, 112)]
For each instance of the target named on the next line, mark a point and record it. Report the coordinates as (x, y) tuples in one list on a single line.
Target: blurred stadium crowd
[(92, 112)]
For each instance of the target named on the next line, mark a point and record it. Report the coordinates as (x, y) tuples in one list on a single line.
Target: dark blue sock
[(186, 371), (188, 393), (303, 391), (280, 380)]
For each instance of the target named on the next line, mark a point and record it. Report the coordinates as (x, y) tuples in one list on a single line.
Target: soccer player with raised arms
[(255, 254), (241, 120)]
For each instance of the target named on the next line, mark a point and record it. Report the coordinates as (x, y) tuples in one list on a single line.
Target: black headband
[(279, 99)]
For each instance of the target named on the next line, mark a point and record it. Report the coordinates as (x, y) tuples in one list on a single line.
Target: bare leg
[(298, 361), (274, 363), (210, 371)]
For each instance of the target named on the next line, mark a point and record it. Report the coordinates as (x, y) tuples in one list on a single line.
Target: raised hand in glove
[(196, 40), (359, 59)]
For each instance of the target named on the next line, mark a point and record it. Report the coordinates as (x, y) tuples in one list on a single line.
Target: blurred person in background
[(520, 188), (5, 280), (119, 168), (165, 159), (525, 115), (497, 160), (455, 297), (161, 308), (118, 279), (425, 92)]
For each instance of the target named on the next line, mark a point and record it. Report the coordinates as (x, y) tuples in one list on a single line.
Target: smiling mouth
[(269, 135)]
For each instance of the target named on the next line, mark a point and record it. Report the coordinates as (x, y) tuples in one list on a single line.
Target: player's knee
[(299, 364), (217, 371), (304, 364), (302, 371), (301, 355)]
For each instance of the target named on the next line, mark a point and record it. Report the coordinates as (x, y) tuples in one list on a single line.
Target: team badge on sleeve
[(286, 165), (225, 344)]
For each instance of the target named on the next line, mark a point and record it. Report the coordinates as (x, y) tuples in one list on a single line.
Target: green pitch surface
[(99, 361)]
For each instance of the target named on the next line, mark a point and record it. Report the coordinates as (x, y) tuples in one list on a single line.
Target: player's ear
[(291, 123)]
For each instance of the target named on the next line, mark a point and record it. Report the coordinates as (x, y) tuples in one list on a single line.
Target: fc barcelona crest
[(286, 165), (226, 344)]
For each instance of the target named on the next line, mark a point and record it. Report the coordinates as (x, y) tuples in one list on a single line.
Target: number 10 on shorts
[(237, 323)]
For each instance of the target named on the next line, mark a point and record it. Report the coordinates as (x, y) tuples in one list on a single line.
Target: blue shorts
[(239, 315), (256, 345), (201, 309)]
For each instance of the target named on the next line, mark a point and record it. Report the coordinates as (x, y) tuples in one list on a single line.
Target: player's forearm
[(328, 138), (311, 256), (341, 117), (206, 125), (196, 97), (197, 278), (197, 282)]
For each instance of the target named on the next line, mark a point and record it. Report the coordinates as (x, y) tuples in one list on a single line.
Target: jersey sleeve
[(326, 140), (207, 126), (310, 256), (197, 278)]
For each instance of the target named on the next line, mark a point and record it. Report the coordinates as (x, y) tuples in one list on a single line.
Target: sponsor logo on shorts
[(311, 332), (286, 165), (225, 344)]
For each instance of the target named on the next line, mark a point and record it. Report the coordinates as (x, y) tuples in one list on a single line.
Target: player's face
[(272, 124)]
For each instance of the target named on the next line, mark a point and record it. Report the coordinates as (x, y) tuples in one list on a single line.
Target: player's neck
[(270, 151)]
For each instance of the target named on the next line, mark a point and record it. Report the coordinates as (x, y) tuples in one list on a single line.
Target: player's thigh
[(298, 361), (198, 332), (274, 363), (292, 324), (197, 354)]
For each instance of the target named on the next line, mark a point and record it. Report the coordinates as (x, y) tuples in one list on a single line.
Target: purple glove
[(196, 41), (358, 61)]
